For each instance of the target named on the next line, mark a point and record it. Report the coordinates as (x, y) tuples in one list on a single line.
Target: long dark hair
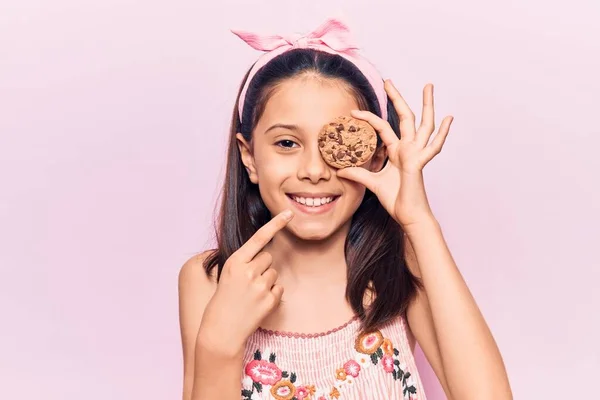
[(375, 251)]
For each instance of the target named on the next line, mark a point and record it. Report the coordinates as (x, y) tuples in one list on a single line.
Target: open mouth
[(313, 203)]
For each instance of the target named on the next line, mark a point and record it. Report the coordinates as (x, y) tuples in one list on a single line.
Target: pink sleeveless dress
[(339, 364)]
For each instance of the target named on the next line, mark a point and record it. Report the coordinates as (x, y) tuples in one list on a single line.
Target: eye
[(286, 144)]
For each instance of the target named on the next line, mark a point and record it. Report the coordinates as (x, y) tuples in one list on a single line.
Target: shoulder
[(193, 272), (196, 288)]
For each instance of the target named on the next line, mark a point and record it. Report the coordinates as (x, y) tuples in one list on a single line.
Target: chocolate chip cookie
[(347, 142)]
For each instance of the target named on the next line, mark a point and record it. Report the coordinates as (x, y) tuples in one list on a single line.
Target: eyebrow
[(284, 126)]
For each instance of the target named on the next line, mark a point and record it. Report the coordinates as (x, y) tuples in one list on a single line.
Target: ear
[(378, 159), (247, 157)]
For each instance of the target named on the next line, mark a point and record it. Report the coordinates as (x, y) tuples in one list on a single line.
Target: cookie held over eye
[(347, 142)]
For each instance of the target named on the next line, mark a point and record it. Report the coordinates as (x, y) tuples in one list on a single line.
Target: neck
[(313, 262)]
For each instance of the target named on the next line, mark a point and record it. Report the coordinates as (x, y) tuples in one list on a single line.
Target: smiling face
[(283, 157)]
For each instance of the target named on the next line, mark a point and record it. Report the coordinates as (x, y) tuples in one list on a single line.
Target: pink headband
[(332, 37)]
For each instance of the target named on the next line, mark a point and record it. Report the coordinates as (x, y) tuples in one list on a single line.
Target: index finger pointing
[(264, 235)]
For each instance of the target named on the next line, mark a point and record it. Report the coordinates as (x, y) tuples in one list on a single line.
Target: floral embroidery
[(368, 342), (335, 393), (304, 392), (388, 347), (340, 374), (372, 348), (264, 377), (388, 363), (263, 372), (283, 390), (352, 368)]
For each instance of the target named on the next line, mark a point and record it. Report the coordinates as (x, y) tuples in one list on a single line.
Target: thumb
[(359, 175)]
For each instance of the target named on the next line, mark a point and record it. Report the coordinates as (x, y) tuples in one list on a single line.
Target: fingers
[(261, 263), (438, 141), (277, 291), (383, 128), (360, 175), (269, 277), (407, 117), (427, 117), (263, 236)]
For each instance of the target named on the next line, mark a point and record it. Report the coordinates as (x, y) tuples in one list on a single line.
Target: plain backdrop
[(113, 119)]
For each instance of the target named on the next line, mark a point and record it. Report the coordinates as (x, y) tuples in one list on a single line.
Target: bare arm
[(448, 324), (216, 320), (208, 374), (420, 322)]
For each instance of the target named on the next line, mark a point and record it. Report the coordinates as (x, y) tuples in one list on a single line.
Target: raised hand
[(399, 185), (246, 292)]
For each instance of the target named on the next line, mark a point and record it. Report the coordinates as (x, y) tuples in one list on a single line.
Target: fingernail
[(288, 214)]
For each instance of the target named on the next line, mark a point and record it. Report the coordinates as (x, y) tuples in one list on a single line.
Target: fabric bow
[(333, 36), (333, 33)]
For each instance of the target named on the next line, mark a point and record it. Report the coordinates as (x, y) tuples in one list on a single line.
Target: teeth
[(313, 202)]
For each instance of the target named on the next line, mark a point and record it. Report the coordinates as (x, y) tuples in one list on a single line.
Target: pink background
[(113, 118)]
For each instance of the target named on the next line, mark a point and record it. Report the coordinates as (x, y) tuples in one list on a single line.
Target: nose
[(313, 167)]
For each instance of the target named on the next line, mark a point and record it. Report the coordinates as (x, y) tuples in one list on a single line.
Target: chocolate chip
[(339, 128), (352, 128), (321, 144), (329, 151), (341, 154), (331, 135), (354, 160), (359, 153)]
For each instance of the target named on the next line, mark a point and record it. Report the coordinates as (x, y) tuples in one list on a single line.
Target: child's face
[(286, 163)]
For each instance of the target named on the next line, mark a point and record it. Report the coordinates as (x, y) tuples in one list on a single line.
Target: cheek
[(273, 169), (354, 193)]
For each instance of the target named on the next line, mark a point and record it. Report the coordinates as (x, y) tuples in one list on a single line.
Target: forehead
[(307, 102)]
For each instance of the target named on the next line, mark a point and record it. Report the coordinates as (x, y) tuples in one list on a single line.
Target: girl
[(324, 279)]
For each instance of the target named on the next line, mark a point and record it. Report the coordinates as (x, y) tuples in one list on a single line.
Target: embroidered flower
[(263, 372), (265, 380), (387, 347), (340, 374), (335, 394), (388, 363), (283, 390), (363, 360), (302, 393), (352, 368), (368, 343)]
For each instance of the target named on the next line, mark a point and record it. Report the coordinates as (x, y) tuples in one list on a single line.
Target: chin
[(312, 232)]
